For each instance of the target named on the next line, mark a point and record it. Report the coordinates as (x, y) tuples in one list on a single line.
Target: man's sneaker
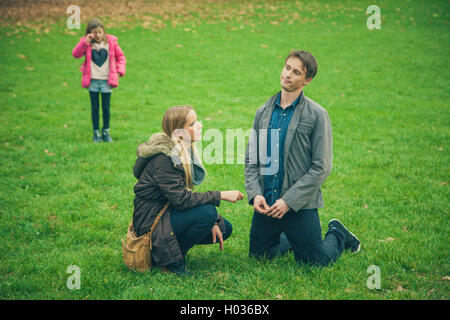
[(179, 268), (97, 138), (351, 241), (105, 135)]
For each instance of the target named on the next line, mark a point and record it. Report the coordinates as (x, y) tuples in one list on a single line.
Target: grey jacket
[(307, 159)]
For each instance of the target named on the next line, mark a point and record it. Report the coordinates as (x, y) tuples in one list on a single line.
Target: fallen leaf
[(405, 229), (22, 56), (51, 154), (366, 206), (29, 68), (446, 278), (399, 288), (387, 239)]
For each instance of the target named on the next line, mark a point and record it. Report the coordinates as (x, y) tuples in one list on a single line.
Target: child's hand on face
[(89, 38)]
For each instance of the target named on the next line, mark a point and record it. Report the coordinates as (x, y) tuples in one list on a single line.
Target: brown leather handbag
[(137, 250)]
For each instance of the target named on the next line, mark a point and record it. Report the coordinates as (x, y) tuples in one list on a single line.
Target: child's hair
[(96, 23), (175, 118)]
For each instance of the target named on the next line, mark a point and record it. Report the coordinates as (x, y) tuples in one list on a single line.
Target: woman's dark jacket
[(160, 180)]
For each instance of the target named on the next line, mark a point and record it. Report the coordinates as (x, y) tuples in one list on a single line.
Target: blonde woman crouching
[(167, 168)]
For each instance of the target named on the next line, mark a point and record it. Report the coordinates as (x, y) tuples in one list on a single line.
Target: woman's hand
[(217, 234), (231, 196)]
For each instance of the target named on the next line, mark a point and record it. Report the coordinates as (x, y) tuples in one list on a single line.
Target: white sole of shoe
[(359, 245)]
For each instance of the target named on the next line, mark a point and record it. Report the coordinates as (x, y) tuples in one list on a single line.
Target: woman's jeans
[(304, 233), (193, 226)]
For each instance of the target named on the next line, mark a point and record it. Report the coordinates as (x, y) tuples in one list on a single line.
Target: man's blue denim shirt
[(279, 121)]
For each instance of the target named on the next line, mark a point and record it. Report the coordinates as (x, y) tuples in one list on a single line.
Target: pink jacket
[(117, 61)]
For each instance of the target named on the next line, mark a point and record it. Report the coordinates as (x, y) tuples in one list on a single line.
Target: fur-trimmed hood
[(161, 143), (158, 143)]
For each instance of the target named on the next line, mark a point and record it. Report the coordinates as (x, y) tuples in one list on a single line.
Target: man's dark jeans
[(304, 233), (194, 226)]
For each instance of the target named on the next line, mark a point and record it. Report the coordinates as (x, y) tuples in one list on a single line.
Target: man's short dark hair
[(308, 60)]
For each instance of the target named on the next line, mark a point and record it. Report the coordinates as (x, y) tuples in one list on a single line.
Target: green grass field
[(65, 201)]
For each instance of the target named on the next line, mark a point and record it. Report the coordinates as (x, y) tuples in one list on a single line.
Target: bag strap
[(158, 217)]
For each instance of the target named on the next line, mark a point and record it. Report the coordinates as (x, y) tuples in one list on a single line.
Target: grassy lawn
[(65, 201)]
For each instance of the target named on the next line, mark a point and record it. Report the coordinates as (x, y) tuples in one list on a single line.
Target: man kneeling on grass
[(288, 158)]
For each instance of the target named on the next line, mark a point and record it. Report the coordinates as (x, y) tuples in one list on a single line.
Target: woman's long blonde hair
[(175, 118)]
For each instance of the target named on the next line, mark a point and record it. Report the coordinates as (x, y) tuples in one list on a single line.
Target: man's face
[(293, 75)]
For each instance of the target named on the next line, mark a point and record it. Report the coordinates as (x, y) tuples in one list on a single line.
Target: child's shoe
[(105, 135), (97, 138)]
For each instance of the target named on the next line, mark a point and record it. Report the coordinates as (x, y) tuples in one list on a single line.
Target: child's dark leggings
[(106, 98), (194, 226)]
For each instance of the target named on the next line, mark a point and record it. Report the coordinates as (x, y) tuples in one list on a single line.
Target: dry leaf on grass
[(399, 288), (387, 239), (51, 154)]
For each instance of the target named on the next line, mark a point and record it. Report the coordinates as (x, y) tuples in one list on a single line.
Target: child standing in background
[(104, 63)]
